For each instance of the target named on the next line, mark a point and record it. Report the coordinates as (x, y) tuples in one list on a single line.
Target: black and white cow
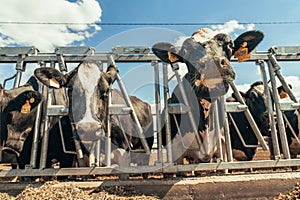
[(256, 100), (15, 122), (18, 116), (294, 120), (88, 88), (209, 73)]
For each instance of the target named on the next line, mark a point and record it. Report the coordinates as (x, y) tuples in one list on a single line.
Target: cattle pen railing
[(21, 56)]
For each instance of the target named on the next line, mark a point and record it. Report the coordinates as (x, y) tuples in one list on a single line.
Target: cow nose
[(224, 62), (89, 130), (266, 116)]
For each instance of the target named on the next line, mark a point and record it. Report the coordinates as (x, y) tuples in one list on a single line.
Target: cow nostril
[(223, 62)]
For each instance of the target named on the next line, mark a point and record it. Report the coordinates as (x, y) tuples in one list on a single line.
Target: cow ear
[(245, 43), (243, 94), (166, 52), (231, 98), (24, 102), (111, 73), (50, 77)]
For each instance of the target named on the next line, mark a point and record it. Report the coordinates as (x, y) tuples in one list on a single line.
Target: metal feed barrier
[(64, 55)]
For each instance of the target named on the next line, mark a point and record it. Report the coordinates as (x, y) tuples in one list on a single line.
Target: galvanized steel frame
[(23, 55)]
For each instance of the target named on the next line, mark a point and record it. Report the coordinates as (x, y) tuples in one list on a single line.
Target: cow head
[(207, 58), (18, 113), (87, 90), (256, 100)]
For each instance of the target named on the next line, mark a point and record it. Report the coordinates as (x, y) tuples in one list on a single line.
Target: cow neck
[(206, 106), (104, 114)]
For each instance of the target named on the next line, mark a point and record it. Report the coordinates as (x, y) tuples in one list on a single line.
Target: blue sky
[(196, 11), (265, 16)]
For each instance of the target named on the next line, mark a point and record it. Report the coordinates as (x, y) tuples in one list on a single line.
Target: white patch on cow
[(121, 157), (203, 35), (89, 76), (187, 146), (260, 89), (295, 146)]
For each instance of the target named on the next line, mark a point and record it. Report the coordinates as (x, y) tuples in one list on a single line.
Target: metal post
[(249, 117), (274, 137), (18, 79), (36, 133), (20, 67), (98, 150), (190, 114), (167, 117), (227, 135), (45, 136), (129, 104), (216, 126), (276, 69), (1, 145), (158, 111), (280, 121), (108, 133)]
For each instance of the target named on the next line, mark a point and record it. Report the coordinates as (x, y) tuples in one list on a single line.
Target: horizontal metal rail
[(12, 55), (159, 168), (52, 57)]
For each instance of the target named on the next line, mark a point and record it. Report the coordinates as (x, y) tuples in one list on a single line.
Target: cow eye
[(230, 45)]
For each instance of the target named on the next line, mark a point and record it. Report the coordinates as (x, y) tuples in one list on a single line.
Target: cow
[(291, 117), (207, 59), (19, 107), (88, 93), (256, 100)]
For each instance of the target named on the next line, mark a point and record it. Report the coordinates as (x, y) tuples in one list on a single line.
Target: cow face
[(207, 63), (207, 58), (87, 90), (18, 114), (256, 100)]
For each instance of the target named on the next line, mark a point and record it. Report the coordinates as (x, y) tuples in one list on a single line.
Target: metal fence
[(20, 56)]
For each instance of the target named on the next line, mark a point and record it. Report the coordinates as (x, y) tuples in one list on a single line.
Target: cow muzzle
[(88, 131), (215, 70)]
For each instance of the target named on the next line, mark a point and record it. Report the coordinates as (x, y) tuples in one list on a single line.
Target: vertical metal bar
[(274, 137), (77, 143), (36, 133), (227, 135), (190, 114), (98, 150), (276, 69), (1, 145), (45, 136), (249, 117), (20, 67), (129, 104), (216, 125), (17, 79), (280, 121), (108, 133), (133, 115), (158, 111), (167, 116), (45, 141)]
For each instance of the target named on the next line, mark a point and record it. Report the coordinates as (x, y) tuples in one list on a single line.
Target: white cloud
[(231, 26), (179, 41), (48, 36), (294, 81)]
